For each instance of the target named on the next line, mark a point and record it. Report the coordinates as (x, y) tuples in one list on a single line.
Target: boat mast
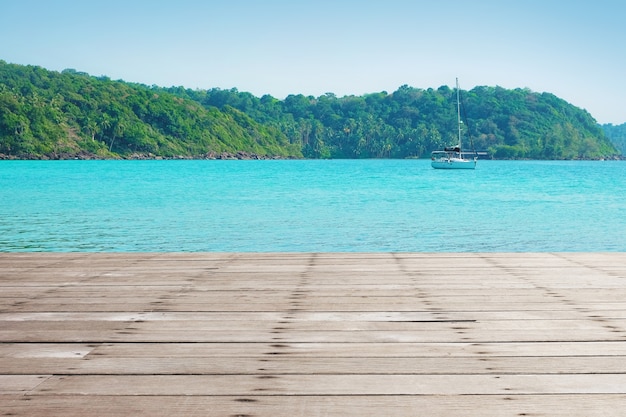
[(458, 113)]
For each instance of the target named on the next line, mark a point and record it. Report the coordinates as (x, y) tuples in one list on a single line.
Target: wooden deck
[(324, 334)]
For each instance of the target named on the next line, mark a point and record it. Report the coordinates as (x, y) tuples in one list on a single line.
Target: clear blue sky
[(571, 48)]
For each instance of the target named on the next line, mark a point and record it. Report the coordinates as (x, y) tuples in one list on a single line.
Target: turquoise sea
[(312, 205)]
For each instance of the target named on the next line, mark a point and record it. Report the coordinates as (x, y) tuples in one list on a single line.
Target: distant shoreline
[(86, 156), (241, 156)]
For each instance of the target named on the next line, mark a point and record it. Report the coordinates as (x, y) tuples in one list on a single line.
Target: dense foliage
[(46, 113), (50, 114), (617, 135), (412, 122)]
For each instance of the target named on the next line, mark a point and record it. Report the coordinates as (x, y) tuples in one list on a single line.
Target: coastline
[(88, 156)]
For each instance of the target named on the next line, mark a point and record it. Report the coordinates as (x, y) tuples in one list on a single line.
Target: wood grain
[(310, 334)]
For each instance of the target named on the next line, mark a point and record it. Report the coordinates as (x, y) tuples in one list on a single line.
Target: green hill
[(47, 114), (71, 114), (411, 122), (617, 135)]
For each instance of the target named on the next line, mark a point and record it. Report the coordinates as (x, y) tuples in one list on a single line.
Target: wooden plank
[(287, 364), (10, 351), (309, 316), (331, 385), (408, 336), (422, 325), (20, 384), (308, 350), (509, 405), (312, 334), (359, 350)]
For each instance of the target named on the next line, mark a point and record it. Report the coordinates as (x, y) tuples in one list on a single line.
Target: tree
[(46, 113)]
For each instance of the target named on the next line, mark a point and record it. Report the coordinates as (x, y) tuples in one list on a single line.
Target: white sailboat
[(452, 158)]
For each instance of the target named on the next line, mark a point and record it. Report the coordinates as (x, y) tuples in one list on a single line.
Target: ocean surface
[(311, 206)]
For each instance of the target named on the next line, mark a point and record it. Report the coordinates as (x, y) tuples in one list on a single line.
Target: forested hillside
[(70, 114), (411, 122), (617, 135)]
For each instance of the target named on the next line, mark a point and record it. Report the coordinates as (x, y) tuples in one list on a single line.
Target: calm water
[(298, 206)]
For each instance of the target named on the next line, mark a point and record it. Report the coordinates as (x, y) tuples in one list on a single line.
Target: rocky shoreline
[(240, 155), (86, 156)]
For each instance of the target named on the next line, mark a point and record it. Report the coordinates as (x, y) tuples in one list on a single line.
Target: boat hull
[(453, 163)]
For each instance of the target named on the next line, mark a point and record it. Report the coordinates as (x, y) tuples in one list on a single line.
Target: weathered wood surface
[(397, 334)]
